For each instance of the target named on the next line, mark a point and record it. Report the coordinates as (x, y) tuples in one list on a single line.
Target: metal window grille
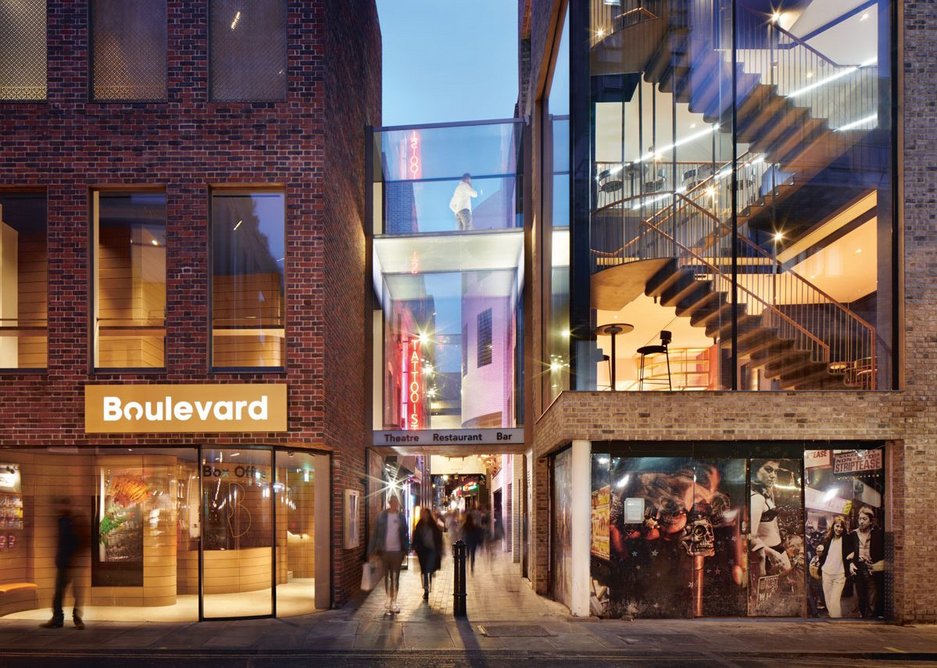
[(22, 50), (484, 338), (129, 49), (248, 49)]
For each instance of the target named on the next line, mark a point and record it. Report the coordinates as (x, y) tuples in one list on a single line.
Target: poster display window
[(693, 536)]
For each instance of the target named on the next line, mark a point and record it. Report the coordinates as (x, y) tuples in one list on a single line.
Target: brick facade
[(311, 145), (903, 419)]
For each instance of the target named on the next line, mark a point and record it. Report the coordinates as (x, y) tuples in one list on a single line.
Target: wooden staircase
[(759, 343)]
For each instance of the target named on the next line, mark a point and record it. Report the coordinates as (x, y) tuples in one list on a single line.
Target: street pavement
[(507, 625)]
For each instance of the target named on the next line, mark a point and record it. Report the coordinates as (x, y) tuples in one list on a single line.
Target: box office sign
[(180, 409)]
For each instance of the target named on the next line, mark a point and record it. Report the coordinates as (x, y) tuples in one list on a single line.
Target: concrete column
[(581, 529)]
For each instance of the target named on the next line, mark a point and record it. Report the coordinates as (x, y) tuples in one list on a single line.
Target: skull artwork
[(698, 539)]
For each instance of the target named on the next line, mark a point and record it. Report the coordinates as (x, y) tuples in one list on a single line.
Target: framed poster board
[(350, 524)]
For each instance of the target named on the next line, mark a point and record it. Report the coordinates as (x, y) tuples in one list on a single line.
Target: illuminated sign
[(183, 409), (451, 437), (414, 156), (411, 389)]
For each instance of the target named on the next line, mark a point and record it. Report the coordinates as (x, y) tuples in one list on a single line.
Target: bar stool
[(644, 351)]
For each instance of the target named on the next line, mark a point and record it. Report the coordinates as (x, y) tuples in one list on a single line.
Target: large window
[(740, 196), (248, 50), (248, 257), (23, 281), (22, 50), (128, 49), (130, 279)]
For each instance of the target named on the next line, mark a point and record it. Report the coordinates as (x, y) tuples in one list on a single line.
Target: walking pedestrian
[(427, 541), (71, 540), (390, 541)]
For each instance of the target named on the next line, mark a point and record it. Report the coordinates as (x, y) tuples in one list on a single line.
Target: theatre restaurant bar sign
[(450, 437), (180, 409)]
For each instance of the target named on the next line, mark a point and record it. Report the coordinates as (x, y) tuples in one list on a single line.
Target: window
[(483, 340), (248, 249), (464, 349), (22, 50), (128, 49), (23, 281), (129, 279), (248, 50)]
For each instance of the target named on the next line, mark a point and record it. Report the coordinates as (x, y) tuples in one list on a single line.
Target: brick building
[(759, 147), (182, 202)]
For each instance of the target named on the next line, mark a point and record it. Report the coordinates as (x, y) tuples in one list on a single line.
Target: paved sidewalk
[(507, 623)]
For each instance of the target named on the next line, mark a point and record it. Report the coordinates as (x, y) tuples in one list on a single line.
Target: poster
[(844, 499), (562, 527), (776, 538), (685, 556)]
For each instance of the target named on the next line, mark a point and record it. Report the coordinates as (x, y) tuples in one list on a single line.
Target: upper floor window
[(129, 279), (22, 50), (248, 255), (483, 339), (128, 49), (23, 281), (248, 50)]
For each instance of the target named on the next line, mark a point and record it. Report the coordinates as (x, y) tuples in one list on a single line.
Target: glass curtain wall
[(448, 249), (23, 281), (740, 187)]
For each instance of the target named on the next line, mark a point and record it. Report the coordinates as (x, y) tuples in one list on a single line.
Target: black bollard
[(458, 563)]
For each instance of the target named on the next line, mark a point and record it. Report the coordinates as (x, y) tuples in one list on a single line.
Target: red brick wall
[(311, 144)]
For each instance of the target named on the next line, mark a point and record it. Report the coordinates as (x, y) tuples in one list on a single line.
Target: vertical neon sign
[(411, 400), (414, 156)]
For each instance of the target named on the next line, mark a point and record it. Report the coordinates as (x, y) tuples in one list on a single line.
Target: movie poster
[(562, 527), (675, 542), (844, 499), (776, 540)]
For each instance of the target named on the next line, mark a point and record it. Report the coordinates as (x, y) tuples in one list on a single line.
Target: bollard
[(458, 563)]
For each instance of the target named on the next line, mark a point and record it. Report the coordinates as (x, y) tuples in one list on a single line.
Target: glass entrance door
[(238, 529)]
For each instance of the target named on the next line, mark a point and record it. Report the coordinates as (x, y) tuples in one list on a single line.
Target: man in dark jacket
[(869, 541), (70, 542)]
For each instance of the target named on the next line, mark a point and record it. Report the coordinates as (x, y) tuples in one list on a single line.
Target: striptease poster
[(844, 497)]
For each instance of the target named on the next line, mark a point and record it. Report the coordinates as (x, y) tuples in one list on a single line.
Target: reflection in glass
[(555, 151), (23, 281), (237, 507), (130, 279), (450, 350), (296, 533), (248, 257), (745, 241)]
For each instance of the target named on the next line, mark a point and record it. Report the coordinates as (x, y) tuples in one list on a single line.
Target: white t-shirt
[(834, 558), (392, 536), (462, 197)]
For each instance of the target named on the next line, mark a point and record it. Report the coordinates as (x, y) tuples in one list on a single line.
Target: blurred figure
[(390, 541), (71, 540), (427, 541), (472, 534), (453, 526)]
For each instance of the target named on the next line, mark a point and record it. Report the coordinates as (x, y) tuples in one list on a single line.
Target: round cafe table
[(613, 329)]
